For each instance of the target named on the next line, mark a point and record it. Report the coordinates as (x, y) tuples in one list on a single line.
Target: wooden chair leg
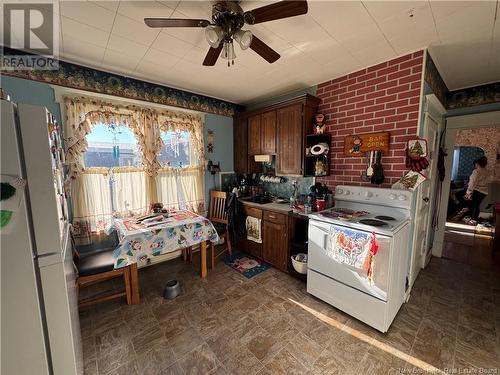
[(212, 248), (190, 255), (229, 247), (184, 254), (128, 289)]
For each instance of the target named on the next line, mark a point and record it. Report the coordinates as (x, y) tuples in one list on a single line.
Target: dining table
[(164, 233)]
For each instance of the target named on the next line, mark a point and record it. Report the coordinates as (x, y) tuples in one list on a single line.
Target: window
[(176, 150), (112, 146), (114, 155)]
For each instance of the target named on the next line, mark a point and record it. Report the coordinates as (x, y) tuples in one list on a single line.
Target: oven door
[(327, 262)]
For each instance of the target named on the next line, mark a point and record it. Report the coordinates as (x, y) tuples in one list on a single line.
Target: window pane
[(112, 146), (176, 150)]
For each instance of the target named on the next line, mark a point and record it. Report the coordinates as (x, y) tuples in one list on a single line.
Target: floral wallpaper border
[(434, 80), (485, 94), (89, 79), (469, 97)]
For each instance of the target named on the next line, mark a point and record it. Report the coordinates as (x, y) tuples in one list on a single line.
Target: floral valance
[(82, 113)]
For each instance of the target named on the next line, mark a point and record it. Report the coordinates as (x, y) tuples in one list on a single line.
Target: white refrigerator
[(40, 327)]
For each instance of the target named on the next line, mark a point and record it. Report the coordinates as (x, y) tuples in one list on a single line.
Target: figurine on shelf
[(319, 168), (319, 126)]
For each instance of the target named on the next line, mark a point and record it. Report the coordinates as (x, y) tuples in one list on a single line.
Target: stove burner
[(383, 217), (372, 222)]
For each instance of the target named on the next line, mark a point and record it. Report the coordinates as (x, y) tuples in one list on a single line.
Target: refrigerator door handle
[(46, 255)]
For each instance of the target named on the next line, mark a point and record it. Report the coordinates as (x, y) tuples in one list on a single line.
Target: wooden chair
[(218, 217), (97, 267)]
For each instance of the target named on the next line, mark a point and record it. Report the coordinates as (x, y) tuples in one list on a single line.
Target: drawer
[(273, 217), (252, 211)]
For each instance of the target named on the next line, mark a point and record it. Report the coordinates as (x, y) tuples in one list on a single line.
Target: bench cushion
[(95, 263)]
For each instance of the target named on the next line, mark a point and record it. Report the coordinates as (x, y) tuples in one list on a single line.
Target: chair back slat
[(217, 213)]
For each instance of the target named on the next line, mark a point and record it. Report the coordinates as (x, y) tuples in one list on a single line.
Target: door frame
[(433, 109), (453, 124)]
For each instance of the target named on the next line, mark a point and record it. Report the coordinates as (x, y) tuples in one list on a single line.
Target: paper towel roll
[(320, 149)]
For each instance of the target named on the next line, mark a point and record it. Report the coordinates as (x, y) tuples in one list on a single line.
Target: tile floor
[(228, 324)]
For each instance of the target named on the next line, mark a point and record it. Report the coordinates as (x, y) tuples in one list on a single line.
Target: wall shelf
[(310, 160)]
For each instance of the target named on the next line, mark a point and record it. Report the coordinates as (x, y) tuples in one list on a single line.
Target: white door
[(422, 232)]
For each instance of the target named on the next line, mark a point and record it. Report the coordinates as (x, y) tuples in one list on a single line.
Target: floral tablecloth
[(139, 242)]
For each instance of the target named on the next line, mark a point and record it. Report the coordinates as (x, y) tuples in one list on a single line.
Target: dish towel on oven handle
[(353, 248), (254, 232), (369, 264)]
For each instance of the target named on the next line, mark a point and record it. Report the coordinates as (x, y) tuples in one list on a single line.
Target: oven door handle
[(326, 234)]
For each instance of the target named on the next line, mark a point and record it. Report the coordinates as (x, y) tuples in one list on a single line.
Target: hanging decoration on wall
[(319, 126), (416, 154), (358, 144), (11, 193), (210, 141), (410, 181), (115, 130)]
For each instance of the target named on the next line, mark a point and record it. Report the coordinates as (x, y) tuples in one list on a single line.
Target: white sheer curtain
[(181, 188), (130, 192), (191, 183), (166, 188), (92, 207)]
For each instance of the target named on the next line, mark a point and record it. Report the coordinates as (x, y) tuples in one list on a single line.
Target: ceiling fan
[(228, 18)]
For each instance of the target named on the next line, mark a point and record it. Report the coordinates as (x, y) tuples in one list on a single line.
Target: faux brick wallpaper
[(384, 97)]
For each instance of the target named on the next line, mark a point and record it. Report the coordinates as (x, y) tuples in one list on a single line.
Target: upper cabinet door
[(254, 135), (240, 137), (268, 124), (290, 141)]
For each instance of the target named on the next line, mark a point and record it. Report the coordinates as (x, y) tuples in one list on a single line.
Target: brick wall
[(384, 97)]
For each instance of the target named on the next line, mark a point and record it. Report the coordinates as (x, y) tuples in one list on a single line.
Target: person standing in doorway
[(477, 188)]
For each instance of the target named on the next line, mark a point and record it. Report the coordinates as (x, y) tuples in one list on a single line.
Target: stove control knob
[(392, 196), (340, 191), (368, 194), (402, 197)]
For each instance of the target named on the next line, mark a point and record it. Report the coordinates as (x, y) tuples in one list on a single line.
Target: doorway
[(465, 231)]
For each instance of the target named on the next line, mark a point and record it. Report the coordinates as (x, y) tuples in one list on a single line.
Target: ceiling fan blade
[(175, 22), (264, 50), (276, 11), (212, 55)]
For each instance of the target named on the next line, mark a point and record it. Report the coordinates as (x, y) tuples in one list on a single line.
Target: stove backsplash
[(285, 190)]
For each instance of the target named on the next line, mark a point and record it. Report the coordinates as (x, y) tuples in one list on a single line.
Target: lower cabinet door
[(275, 244)]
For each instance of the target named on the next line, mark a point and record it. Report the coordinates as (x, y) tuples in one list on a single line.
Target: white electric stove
[(339, 241)]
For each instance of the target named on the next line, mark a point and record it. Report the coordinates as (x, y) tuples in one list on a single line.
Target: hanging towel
[(254, 232), (349, 246)]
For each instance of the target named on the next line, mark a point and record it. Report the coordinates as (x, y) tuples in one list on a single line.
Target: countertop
[(283, 208), (278, 207)]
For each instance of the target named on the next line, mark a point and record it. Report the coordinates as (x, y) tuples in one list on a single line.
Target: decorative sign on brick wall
[(359, 144)]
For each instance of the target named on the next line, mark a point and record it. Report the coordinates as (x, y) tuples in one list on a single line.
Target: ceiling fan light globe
[(213, 35), (228, 51), (244, 38)]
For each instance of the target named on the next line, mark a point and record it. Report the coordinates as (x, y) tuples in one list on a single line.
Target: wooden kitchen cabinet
[(268, 133), (254, 135), (243, 162), (262, 134), (291, 141), (279, 129), (275, 244)]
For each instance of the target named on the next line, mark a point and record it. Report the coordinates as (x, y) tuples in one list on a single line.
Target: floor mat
[(246, 264)]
